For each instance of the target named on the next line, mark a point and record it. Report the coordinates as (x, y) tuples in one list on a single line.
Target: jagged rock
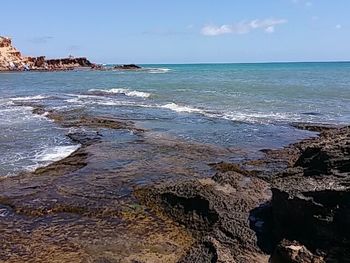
[(293, 252), (5, 42), (127, 67), (311, 202), (218, 211), (234, 221), (69, 62), (11, 59)]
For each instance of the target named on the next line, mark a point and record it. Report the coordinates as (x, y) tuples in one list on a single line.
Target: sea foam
[(56, 153), (158, 70), (126, 92), (179, 108), (36, 97)]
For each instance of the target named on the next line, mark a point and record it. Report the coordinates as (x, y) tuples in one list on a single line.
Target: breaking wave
[(179, 108), (126, 92), (37, 97), (56, 153), (158, 70)]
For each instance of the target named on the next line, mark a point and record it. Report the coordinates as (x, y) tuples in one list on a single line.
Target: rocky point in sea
[(12, 60)]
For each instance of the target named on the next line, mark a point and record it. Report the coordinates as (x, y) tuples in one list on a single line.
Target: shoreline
[(234, 208), (11, 60)]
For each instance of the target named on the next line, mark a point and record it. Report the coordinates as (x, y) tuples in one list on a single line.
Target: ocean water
[(239, 106)]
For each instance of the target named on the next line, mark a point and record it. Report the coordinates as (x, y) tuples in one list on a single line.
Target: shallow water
[(242, 106)]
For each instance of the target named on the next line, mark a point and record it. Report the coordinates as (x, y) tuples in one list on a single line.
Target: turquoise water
[(247, 106)]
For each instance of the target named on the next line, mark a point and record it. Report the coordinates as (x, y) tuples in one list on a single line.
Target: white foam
[(74, 100), (261, 117), (37, 97), (158, 70), (249, 117), (82, 99), (56, 153), (126, 92), (179, 108)]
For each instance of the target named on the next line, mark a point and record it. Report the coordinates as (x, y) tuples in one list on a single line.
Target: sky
[(180, 31)]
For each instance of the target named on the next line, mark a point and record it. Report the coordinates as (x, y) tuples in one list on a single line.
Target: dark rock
[(127, 67), (311, 202), (293, 252), (217, 213), (69, 62)]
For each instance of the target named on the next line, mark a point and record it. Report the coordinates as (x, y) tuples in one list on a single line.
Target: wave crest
[(36, 97), (126, 92), (158, 70), (179, 108)]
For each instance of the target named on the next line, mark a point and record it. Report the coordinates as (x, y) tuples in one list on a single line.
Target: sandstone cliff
[(12, 60)]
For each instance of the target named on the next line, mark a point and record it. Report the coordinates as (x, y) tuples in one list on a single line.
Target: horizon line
[(259, 62)]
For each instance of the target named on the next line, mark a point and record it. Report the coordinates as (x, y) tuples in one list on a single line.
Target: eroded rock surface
[(218, 211), (235, 219), (131, 195), (12, 60), (81, 209)]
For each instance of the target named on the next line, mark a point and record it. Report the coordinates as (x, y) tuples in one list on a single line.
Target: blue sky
[(197, 31)]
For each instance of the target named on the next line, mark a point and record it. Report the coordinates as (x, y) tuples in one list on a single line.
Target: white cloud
[(243, 27), (338, 26), (215, 30)]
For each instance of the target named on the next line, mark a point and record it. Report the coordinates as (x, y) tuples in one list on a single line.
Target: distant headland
[(12, 59)]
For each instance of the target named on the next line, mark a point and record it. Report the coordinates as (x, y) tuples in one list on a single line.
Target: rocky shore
[(12, 60), (128, 196), (299, 213)]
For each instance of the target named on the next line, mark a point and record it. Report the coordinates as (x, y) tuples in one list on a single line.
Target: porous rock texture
[(297, 210)]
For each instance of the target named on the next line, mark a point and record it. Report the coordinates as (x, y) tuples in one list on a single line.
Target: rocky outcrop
[(311, 200), (68, 62), (304, 219), (218, 211), (12, 60), (5, 42), (291, 206), (127, 67)]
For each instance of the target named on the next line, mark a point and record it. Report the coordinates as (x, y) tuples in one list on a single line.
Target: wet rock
[(127, 67), (234, 220), (217, 213), (293, 252), (316, 127), (311, 202)]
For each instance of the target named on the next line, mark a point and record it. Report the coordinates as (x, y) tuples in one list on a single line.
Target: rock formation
[(127, 67), (291, 206), (299, 214), (12, 60)]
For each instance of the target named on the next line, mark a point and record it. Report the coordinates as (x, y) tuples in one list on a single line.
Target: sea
[(247, 107)]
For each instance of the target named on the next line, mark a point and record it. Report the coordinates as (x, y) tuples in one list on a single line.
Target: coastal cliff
[(12, 60)]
